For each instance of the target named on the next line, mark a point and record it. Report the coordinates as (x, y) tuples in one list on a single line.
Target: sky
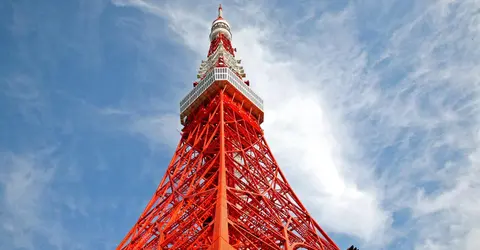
[(372, 110)]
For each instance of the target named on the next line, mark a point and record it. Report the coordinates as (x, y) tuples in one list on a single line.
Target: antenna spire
[(220, 10)]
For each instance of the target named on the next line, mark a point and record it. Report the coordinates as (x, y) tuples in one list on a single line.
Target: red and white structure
[(223, 188)]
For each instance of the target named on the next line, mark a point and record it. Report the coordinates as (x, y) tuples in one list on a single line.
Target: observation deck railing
[(218, 74)]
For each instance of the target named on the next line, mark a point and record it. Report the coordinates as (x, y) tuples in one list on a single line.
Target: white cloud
[(26, 181), (34, 210), (365, 128), (297, 125), (158, 129), (433, 118), (28, 97)]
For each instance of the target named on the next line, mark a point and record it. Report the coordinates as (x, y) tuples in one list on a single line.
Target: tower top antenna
[(220, 10)]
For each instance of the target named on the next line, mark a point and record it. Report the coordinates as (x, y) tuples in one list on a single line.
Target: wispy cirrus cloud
[(372, 110), (374, 119), (296, 124), (44, 202), (26, 183), (432, 122)]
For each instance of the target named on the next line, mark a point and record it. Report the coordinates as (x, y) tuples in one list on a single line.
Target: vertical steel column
[(220, 231)]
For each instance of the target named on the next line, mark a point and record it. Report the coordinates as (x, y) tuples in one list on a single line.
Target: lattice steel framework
[(223, 188)]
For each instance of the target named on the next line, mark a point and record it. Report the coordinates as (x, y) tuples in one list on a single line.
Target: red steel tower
[(223, 188)]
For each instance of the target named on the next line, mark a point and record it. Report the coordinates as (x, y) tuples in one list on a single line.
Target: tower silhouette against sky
[(223, 188)]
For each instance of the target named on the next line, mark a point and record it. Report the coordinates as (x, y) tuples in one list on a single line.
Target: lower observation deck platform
[(217, 79)]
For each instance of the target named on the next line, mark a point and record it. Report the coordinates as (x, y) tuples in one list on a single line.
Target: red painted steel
[(223, 189), (221, 39), (208, 172)]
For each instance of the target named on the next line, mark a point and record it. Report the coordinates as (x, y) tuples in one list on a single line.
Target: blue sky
[(372, 110)]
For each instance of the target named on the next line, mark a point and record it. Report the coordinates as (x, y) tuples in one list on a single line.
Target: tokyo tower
[(223, 188)]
